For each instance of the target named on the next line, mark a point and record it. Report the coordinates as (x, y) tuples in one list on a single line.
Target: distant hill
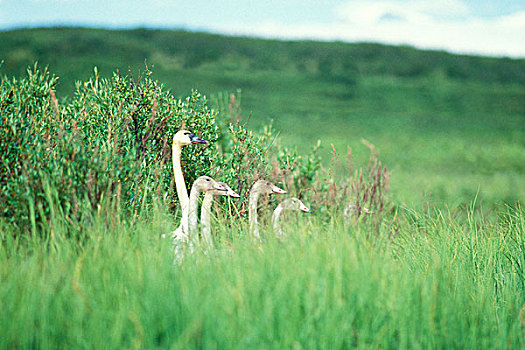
[(72, 53)]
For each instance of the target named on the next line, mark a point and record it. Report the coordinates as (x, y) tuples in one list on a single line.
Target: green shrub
[(111, 140), (109, 148)]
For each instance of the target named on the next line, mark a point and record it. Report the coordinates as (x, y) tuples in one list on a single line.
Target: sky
[(481, 27)]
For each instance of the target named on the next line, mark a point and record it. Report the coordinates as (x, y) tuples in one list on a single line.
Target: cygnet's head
[(295, 204), (185, 137), (266, 187), (206, 183), (228, 192)]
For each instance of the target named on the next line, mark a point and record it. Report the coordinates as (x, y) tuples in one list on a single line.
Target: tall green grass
[(419, 281)]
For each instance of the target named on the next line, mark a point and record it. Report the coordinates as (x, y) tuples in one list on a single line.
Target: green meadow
[(441, 282), (87, 191)]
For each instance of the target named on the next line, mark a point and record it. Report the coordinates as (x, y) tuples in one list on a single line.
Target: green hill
[(449, 126)]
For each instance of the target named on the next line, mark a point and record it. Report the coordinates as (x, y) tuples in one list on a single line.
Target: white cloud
[(441, 24), (415, 11)]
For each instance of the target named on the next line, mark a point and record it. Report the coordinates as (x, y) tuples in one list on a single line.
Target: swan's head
[(295, 204), (266, 187), (206, 183), (185, 137), (228, 192)]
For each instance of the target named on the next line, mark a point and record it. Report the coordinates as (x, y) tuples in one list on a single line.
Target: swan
[(287, 204), (261, 187), (180, 139), (206, 211)]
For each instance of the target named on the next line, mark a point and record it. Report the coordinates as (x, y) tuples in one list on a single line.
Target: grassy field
[(449, 126), (435, 281), (441, 268)]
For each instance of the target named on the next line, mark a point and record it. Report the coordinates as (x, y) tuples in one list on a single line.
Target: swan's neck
[(276, 217), (182, 192), (206, 219), (192, 212), (252, 214)]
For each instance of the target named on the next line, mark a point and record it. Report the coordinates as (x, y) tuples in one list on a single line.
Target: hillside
[(449, 126)]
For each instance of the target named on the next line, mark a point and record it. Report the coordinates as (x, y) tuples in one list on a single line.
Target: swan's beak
[(367, 211), (276, 189), (195, 139)]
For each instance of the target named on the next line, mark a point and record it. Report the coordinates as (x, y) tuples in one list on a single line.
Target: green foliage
[(111, 140), (248, 156), (28, 135), (448, 126), (95, 166), (444, 281), (135, 120)]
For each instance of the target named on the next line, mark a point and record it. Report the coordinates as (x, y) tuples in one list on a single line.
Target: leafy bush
[(111, 140), (111, 144)]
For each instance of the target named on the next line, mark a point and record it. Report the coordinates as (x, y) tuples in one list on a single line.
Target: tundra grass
[(419, 281)]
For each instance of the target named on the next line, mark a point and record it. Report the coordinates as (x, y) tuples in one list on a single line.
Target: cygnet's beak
[(305, 209), (276, 189), (367, 211), (233, 194), (219, 187), (195, 139)]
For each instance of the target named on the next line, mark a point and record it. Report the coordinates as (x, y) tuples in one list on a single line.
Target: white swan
[(180, 139), (287, 204), (261, 187), (206, 211)]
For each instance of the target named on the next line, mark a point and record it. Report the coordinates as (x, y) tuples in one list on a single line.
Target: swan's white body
[(261, 187), (287, 204), (206, 211)]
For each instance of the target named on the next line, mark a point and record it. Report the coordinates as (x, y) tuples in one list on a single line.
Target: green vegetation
[(86, 190), (112, 141), (443, 281), (448, 126)]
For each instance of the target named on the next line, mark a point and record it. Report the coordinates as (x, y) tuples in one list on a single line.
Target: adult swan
[(180, 139)]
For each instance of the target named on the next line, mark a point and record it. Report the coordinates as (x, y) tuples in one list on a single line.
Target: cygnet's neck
[(276, 217), (252, 214), (193, 210), (206, 218)]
